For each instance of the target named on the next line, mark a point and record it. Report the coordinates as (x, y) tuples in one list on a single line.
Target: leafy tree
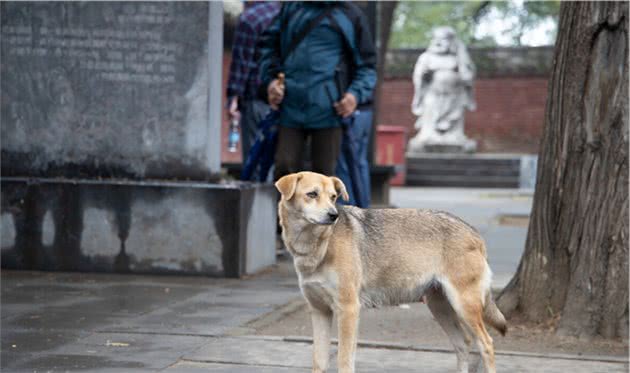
[(413, 21)]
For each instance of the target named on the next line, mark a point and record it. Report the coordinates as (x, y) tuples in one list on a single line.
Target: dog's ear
[(286, 185), (340, 188)]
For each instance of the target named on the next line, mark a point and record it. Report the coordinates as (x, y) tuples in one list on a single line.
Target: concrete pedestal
[(137, 227), (472, 170)]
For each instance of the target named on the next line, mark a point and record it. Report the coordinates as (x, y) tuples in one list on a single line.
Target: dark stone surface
[(380, 177), (464, 170), (105, 89), (68, 321), (137, 227)]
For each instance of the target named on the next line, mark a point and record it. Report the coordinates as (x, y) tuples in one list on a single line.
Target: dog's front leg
[(322, 322), (348, 323)]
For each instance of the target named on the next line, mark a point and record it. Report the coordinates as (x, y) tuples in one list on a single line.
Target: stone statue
[(442, 78)]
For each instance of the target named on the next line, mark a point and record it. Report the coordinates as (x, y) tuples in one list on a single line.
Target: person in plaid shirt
[(243, 81)]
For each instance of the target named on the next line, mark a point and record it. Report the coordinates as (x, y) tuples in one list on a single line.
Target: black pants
[(325, 148)]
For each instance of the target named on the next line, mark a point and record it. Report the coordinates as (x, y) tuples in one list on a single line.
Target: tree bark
[(575, 266), (386, 18)]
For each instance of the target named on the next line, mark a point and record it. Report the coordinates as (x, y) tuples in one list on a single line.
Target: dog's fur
[(347, 257)]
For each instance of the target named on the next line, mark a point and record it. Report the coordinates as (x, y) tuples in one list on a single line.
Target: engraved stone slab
[(106, 89)]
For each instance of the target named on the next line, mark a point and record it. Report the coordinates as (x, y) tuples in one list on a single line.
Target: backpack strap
[(335, 25), (344, 71), (302, 34)]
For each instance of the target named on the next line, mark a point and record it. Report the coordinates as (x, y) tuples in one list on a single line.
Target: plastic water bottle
[(234, 135)]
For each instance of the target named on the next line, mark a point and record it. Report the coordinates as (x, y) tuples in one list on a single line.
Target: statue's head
[(443, 41)]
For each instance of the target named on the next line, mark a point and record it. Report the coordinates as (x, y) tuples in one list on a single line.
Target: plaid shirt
[(243, 80)]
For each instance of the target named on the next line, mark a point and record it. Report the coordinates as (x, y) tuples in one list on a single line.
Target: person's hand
[(346, 106), (275, 93), (233, 111)]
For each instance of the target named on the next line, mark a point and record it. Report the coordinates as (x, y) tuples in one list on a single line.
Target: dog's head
[(312, 196)]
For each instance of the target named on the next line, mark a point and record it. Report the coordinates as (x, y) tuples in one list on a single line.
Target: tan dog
[(347, 257)]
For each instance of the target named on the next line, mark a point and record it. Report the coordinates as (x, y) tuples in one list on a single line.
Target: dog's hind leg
[(322, 323), (468, 305), (449, 321), (484, 341)]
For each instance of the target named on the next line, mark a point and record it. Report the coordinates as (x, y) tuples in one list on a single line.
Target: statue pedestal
[(431, 142), (467, 148), (471, 170)]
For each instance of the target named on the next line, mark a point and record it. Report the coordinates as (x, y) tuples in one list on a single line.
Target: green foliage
[(414, 20)]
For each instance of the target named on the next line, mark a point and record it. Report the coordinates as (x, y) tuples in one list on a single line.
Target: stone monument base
[(457, 144), (154, 227), (471, 170)]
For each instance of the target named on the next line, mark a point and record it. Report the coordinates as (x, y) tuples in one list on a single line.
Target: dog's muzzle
[(329, 218)]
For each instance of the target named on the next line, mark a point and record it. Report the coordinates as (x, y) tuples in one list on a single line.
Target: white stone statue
[(442, 78)]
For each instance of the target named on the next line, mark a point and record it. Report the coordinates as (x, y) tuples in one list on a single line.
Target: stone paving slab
[(196, 367), (254, 351), (149, 352), (249, 354), (62, 321), (189, 319)]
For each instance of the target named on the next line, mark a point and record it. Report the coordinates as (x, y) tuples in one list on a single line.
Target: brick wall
[(508, 119)]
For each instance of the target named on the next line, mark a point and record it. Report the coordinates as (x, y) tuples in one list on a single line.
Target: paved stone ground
[(72, 321), (128, 323)]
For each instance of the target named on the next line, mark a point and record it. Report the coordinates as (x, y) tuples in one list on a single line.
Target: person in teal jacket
[(314, 98)]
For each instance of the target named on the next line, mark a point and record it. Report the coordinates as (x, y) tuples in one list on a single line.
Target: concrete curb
[(266, 319), (277, 314)]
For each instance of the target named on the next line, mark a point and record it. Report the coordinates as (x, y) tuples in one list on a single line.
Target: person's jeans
[(252, 112), (360, 131)]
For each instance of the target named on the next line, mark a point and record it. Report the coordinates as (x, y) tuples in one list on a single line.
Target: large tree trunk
[(575, 266), (386, 18)]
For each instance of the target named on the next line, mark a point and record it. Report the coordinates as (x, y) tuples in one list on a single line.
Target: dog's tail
[(493, 316), (491, 313)]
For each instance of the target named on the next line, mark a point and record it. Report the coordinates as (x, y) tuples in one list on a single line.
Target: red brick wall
[(508, 119)]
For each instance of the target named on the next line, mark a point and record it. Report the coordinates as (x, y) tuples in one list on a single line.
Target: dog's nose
[(333, 215)]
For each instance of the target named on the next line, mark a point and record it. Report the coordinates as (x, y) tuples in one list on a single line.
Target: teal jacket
[(310, 88)]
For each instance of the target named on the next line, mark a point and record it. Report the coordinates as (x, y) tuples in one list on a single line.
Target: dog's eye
[(312, 194), (333, 197)]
